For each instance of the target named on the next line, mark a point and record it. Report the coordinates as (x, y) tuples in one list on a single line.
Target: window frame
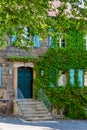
[(62, 74), (60, 42)]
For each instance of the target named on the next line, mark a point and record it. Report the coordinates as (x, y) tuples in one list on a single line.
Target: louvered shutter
[(80, 77), (50, 41), (72, 78), (36, 41)]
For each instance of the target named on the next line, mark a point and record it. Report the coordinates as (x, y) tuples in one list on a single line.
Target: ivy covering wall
[(73, 99)]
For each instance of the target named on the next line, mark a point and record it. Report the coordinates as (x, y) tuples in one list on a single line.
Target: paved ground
[(13, 123)]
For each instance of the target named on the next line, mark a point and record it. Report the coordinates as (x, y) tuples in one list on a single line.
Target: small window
[(81, 4), (62, 79), (23, 35), (85, 78), (27, 35), (61, 42), (43, 42)]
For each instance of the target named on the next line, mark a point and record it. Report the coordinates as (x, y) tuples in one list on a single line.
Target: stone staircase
[(31, 109)]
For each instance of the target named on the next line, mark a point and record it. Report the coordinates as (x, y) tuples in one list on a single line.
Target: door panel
[(24, 82)]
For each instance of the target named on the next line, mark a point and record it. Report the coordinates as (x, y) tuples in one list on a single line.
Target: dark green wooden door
[(24, 82)]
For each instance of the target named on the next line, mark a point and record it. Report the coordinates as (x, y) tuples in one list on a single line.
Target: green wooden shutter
[(36, 41), (72, 78), (80, 77), (50, 41)]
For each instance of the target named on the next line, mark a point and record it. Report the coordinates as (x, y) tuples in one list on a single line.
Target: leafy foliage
[(36, 16), (22, 59), (72, 99)]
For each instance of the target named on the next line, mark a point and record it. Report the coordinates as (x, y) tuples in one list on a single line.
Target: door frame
[(15, 75), (25, 91)]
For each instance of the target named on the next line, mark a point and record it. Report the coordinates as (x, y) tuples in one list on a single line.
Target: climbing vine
[(72, 99), (22, 58)]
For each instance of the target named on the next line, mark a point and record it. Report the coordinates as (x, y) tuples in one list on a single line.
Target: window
[(81, 4), (23, 35), (43, 42), (85, 78), (26, 33), (0, 76), (61, 42), (62, 79)]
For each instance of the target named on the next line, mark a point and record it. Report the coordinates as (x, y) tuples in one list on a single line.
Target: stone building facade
[(11, 73)]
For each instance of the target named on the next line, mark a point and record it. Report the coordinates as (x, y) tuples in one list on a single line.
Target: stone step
[(31, 105), (32, 110), (59, 116), (37, 115), (37, 118), (27, 100), (35, 110)]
